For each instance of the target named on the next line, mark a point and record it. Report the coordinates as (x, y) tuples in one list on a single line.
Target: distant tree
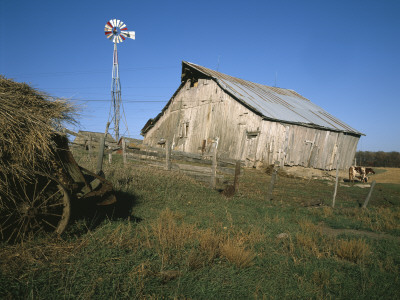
[(378, 159)]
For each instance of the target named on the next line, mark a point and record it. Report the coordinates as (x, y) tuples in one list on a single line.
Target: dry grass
[(209, 243), (391, 175), (352, 250), (14, 258), (381, 219), (177, 241), (169, 234), (28, 121), (237, 254), (312, 240)]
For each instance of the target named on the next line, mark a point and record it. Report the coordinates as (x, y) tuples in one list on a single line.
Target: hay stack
[(27, 122)]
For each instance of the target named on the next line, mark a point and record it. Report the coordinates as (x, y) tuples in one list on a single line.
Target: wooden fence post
[(214, 165), (99, 167), (90, 145), (336, 183), (167, 155), (124, 150), (237, 174), (369, 195), (272, 182)]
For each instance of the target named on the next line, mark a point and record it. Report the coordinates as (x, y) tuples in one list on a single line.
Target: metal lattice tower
[(116, 31)]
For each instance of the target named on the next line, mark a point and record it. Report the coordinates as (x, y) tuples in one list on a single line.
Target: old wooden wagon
[(45, 201), (41, 184)]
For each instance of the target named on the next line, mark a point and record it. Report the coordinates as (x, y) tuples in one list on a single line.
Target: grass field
[(387, 175), (170, 237)]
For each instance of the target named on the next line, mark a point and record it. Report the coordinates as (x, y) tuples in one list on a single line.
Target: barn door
[(252, 143)]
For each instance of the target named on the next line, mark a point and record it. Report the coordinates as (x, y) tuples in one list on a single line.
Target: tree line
[(378, 159)]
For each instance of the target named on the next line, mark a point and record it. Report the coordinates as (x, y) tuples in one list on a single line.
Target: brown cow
[(360, 172)]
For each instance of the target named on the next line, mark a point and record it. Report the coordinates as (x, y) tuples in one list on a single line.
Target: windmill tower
[(116, 31)]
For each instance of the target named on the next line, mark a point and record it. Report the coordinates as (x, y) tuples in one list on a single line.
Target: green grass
[(172, 237)]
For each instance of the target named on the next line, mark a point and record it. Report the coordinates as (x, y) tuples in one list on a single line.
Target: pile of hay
[(28, 120)]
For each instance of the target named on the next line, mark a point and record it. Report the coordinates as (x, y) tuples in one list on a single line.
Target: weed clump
[(352, 250), (237, 254)]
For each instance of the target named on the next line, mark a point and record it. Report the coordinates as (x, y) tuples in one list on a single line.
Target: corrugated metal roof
[(275, 103)]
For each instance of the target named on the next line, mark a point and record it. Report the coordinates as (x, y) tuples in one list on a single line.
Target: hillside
[(171, 237)]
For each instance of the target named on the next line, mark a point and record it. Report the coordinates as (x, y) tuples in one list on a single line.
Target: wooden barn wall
[(202, 112)]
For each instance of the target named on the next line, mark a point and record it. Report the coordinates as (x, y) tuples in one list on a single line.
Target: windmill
[(116, 31)]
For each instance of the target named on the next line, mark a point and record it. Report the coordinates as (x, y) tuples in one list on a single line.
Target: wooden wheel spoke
[(38, 224), (12, 234), (37, 206), (23, 187), (50, 214), (43, 189), (10, 206), (48, 198), (8, 218), (19, 234), (55, 204), (34, 190), (48, 223), (11, 224)]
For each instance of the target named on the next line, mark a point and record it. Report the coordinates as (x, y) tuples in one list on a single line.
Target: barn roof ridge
[(274, 103)]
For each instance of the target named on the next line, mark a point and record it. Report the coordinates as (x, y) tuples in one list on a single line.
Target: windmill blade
[(120, 35), (129, 34), (117, 39)]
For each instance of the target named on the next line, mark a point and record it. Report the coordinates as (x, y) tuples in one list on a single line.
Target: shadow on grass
[(88, 216)]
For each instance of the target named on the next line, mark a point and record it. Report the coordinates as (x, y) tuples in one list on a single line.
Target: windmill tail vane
[(116, 31)]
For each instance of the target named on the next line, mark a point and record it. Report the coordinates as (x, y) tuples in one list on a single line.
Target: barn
[(254, 123)]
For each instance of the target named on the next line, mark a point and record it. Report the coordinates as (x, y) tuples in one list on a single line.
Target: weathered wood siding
[(201, 112)]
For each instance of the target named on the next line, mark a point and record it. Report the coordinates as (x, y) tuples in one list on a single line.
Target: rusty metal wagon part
[(45, 203)]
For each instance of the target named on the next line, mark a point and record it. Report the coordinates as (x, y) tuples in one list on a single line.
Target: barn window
[(252, 134), (184, 129)]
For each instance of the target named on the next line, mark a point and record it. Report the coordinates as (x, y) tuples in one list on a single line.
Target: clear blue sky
[(342, 55)]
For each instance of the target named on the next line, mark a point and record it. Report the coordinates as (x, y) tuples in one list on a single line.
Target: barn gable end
[(254, 123)]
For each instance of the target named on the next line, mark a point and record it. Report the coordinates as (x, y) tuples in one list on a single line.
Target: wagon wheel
[(33, 208)]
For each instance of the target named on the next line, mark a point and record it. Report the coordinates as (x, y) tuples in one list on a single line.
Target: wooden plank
[(99, 167), (369, 194), (272, 184), (237, 175), (168, 156), (214, 166), (336, 183), (124, 150)]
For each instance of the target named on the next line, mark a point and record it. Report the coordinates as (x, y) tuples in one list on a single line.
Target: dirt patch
[(379, 236), (387, 175), (310, 173)]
